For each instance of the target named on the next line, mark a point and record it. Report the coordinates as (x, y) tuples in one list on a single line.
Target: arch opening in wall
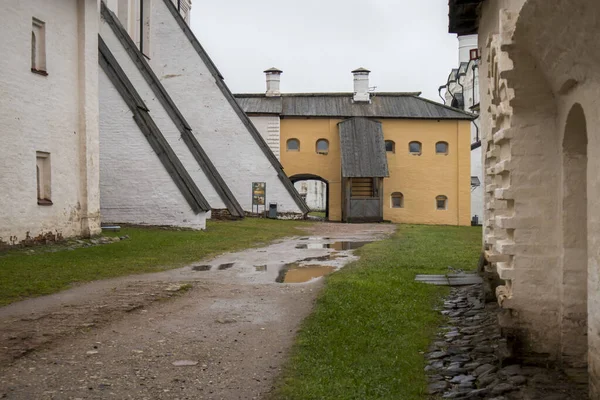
[(292, 145), (397, 200), (441, 148), (390, 146), (574, 318), (441, 202), (315, 192), (322, 146), (415, 148)]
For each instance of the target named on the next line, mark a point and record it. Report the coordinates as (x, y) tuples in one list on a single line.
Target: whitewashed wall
[(315, 193), (57, 113), (269, 127), (161, 118), (136, 188), (218, 128)]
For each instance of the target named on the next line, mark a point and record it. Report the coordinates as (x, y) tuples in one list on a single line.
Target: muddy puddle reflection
[(225, 266), (296, 273), (339, 246), (201, 267)]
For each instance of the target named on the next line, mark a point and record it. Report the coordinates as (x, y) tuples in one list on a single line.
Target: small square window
[(390, 146), (397, 200), (38, 47), (43, 178), (441, 148), (441, 202), (414, 148)]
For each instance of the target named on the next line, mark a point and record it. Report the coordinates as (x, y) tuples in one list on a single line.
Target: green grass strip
[(148, 250), (372, 321)]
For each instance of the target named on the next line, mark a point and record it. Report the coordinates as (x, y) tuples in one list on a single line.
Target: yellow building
[(384, 156)]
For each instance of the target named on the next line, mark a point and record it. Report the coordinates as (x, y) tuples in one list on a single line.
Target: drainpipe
[(179, 5), (440, 93), (142, 26), (462, 88)]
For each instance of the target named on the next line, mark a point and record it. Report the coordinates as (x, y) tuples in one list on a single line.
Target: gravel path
[(181, 334)]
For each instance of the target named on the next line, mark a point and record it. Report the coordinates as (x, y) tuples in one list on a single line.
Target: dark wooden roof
[(363, 149), (464, 16), (382, 105)]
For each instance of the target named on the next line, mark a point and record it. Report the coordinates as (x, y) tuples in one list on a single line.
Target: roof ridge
[(447, 107), (178, 119), (331, 94), (236, 107)]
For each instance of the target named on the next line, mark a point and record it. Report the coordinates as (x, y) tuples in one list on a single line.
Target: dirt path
[(124, 338)]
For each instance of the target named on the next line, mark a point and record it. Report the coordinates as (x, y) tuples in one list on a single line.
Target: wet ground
[(216, 329)]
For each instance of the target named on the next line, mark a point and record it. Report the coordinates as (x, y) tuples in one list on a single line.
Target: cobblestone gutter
[(470, 360)]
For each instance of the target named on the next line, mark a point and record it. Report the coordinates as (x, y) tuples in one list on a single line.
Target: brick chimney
[(273, 79), (361, 84)]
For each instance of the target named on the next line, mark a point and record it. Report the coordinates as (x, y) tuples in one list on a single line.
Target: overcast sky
[(405, 43)]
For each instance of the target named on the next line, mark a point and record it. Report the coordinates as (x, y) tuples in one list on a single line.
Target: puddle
[(260, 268), (335, 246), (347, 245), (296, 273), (225, 266), (201, 267)]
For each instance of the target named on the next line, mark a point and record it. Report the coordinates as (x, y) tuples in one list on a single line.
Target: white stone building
[(462, 91), (215, 151), (49, 120), (539, 124), (314, 194)]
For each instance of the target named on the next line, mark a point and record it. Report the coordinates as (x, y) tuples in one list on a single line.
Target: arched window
[(322, 146), (293, 145), (441, 148), (390, 146), (441, 202), (397, 200), (414, 148)]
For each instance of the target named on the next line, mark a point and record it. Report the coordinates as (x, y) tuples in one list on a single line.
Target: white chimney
[(361, 84), (466, 43), (273, 80)]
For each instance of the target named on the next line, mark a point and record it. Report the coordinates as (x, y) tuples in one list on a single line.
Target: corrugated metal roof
[(363, 149), (382, 105)]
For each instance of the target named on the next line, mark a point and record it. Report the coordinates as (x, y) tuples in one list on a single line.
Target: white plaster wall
[(236, 155), (136, 188), (48, 113), (315, 192), (477, 193), (161, 118), (269, 127)]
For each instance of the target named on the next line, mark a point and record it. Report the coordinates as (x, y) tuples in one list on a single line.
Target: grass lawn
[(372, 321), (320, 214), (147, 250)]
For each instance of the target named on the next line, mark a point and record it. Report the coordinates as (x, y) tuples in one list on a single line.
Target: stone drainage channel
[(312, 258), (468, 358)]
